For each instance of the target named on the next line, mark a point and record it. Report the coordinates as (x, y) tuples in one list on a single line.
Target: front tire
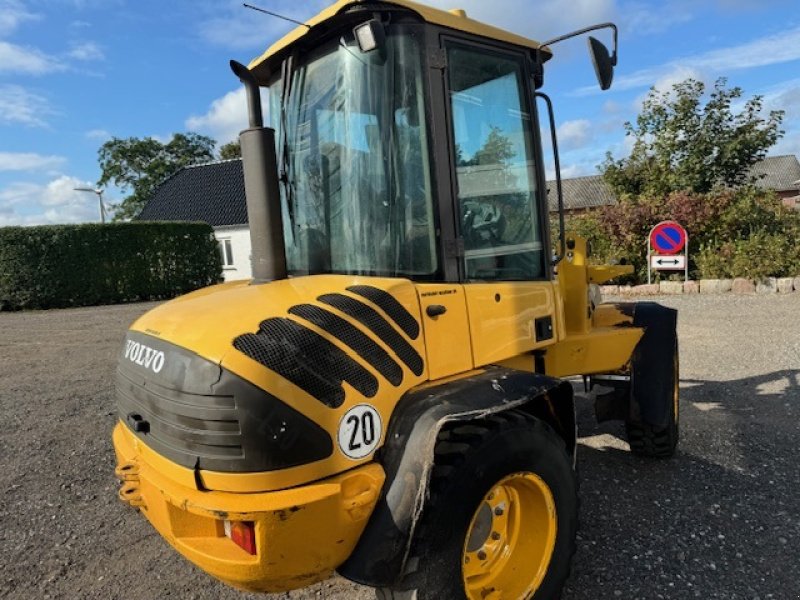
[(502, 514), (649, 440)]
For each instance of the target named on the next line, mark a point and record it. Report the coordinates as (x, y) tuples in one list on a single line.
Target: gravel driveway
[(721, 520)]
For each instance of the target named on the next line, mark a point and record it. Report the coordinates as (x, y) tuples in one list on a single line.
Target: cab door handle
[(434, 310)]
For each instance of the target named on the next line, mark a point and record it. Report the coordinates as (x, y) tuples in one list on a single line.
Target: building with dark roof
[(780, 174), (581, 194), (212, 193)]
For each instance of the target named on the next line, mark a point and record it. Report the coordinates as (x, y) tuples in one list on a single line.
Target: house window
[(226, 252)]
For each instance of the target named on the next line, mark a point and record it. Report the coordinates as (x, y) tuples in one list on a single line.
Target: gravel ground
[(721, 520)]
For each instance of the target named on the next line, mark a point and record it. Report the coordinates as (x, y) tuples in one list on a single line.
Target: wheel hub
[(510, 539)]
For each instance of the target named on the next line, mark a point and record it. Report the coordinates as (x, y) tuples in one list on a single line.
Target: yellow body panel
[(601, 273), (602, 350), (265, 64), (610, 315), (502, 316), (447, 340), (302, 534)]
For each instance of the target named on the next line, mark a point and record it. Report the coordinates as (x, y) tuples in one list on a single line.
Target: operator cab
[(408, 149)]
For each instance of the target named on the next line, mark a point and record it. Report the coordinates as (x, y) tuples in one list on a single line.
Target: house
[(581, 194), (212, 193), (782, 174), (778, 173)]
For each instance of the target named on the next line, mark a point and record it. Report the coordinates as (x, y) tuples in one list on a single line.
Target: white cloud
[(784, 96), (12, 14), (569, 171), (98, 134), (574, 134), (646, 18), (241, 28), (28, 161), (86, 51), (790, 144), (24, 203), (226, 117), (677, 75), (21, 59), (18, 105)]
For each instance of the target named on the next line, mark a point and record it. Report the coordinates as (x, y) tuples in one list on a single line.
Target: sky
[(74, 73)]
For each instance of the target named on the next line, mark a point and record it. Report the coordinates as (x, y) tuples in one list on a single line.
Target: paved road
[(721, 520)]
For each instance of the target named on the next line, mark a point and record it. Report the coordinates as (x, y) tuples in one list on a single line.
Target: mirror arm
[(578, 32), (559, 192)]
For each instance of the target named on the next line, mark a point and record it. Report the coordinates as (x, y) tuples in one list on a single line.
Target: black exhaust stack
[(261, 187)]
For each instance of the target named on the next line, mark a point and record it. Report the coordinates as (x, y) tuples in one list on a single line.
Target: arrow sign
[(676, 262), (668, 237)]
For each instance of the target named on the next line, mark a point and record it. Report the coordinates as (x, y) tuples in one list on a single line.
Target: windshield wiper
[(284, 176)]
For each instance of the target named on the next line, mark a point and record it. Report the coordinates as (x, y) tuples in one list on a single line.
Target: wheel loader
[(390, 396)]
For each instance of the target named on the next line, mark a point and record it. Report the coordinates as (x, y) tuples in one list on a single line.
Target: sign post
[(667, 238)]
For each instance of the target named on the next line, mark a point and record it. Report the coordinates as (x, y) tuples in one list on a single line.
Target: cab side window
[(495, 166)]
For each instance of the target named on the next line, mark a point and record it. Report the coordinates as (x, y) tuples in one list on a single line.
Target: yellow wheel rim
[(510, 540), (676, 390)]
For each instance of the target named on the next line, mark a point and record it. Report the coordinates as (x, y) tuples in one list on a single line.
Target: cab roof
[(454, 19)]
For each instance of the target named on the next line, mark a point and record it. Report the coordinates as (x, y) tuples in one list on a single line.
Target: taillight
[(243, 534)]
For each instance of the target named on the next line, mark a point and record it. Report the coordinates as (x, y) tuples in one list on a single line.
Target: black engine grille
[(201, 416)]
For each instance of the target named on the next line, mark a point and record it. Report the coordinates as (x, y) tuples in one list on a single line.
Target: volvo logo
[(144, 355)]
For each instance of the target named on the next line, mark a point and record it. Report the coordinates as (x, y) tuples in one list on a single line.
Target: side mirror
[(603, 63)]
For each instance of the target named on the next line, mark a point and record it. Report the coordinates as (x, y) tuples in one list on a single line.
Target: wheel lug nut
[(498, 511), (495, 536), (466, 559), (482, 555)]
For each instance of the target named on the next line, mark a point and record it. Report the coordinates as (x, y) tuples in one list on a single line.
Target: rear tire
[(467, 547)]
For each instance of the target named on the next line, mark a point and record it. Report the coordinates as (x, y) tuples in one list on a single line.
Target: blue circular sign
[(668, 237)]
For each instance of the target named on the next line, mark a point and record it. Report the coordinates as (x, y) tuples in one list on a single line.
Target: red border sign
[(668, 237)]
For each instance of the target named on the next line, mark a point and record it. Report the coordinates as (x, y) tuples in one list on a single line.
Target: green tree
[(496, 150), (685, 143), (230, 150), (139, 165)]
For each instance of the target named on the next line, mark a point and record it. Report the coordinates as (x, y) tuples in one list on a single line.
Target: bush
[(741, 233), (81, 265)]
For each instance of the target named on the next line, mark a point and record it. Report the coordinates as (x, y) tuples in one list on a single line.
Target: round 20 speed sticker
[(359, 431)]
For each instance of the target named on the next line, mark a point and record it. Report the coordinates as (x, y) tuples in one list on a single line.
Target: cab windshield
[(353, 158)]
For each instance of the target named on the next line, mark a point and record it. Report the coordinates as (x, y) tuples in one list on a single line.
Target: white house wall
[(240, 246)]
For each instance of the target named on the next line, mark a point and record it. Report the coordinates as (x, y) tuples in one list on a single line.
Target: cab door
[(500, 205)]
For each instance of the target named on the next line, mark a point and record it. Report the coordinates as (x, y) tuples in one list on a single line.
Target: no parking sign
[(665, 241), (668, 237)]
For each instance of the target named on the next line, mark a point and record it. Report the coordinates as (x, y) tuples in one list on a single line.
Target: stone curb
[(740, 285)]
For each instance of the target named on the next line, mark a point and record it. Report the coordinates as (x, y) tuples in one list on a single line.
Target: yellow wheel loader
[(387, 397)]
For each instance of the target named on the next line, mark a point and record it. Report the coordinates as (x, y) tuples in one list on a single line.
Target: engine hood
[(207, 321)]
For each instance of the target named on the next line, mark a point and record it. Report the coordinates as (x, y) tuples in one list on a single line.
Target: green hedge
[(55, 266)]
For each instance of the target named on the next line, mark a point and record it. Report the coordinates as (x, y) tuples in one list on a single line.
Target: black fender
[(379, 559), (652, 371)]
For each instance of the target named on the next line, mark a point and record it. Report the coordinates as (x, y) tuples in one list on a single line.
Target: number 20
[(367, 426)]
